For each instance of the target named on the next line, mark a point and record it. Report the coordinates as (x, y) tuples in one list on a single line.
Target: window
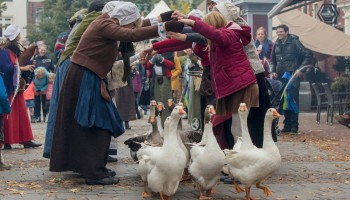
[(314, 10), (4, 23), (38, 14)]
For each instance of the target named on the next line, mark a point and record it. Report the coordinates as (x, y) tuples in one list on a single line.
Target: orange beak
[(275, 114), (243, 107), (212, 110), (182, 111)]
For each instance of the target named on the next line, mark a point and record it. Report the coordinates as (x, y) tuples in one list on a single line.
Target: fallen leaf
[(15, 191), (75, 190)]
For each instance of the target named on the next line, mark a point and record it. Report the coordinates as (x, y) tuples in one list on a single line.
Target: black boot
[(32, 119), (30, 144), (127, 125)]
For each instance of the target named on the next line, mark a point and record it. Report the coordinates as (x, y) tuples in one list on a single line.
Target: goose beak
[(212, 110), (182, 111), (275, 114), (242, 107)]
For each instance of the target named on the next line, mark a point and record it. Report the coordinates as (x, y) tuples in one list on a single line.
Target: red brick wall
[(31, 12)]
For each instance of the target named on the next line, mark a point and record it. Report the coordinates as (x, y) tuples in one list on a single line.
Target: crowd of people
[(99, 82)]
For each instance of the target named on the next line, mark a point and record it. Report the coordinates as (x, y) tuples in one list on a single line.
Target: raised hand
[(189, 22), (177, 14), (178, 36)]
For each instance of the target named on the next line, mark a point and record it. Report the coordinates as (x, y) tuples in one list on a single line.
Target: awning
[(314, 34), (286, 5), (158, 9)]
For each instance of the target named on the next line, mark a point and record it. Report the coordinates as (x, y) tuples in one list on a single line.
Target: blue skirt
[(60, 74), (92, 110)]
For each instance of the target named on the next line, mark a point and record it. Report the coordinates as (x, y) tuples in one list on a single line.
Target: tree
[(3, 6), (181, 5), (54, 20)]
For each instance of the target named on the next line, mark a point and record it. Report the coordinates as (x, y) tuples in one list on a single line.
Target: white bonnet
[(12, 32), (125, 12), (108, 8), (216, 1), (196, 13), (228, 10)]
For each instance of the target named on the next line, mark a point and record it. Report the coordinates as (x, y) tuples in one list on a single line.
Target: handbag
[(22, 85), (159, 80), (206, 88)]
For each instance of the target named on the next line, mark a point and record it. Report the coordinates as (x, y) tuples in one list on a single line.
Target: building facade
[(344, 7), (23, 13)]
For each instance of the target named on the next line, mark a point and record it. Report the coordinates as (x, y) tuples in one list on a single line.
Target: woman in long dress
[(86, 117)]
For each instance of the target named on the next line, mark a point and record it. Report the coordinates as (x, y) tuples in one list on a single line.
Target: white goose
[(251, 166), (206, 161), (159, 110), (145, 160), (151, 137), (169, 161)]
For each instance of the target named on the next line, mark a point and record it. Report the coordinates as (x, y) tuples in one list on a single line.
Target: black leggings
[(41, 98)]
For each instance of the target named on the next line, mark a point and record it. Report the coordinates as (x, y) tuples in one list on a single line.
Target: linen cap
[(125, 12), (215, 1), (108, 8), (12, 32), (196, 13), (228, 10)]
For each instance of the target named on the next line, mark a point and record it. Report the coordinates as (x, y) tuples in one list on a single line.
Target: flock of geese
[(168, 155)]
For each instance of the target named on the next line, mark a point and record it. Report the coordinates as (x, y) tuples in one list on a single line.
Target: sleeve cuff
[(153, 20), (161, 30)]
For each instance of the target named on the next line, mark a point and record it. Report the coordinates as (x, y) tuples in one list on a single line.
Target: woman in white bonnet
[(256, 115), (17, 128), (86, 117)]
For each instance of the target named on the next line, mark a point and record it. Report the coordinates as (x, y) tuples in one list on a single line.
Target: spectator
[(289, 56), (175, 78), (49, 93), (161, 74), (42, 59), (29, 97), (137, 87), (264, 47), (41, 81)]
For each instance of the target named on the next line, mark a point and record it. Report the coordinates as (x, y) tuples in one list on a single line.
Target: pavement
[(315, 165)]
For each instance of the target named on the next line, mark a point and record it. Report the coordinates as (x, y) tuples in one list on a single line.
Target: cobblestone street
[(315, 165)]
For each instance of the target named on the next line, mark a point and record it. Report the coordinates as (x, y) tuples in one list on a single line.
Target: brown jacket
[(98, 46)]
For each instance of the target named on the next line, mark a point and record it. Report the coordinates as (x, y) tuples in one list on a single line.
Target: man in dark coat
[(289, 55)]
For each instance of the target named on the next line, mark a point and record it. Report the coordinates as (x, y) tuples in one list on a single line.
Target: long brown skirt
[(125, 101), (230, 104), (74, 148)]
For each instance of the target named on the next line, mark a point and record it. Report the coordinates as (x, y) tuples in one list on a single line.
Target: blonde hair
[(263, 30), (215, 19), (39, 73), (52, 75)]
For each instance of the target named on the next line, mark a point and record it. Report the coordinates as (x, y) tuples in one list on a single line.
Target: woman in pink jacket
[(233, 78)]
